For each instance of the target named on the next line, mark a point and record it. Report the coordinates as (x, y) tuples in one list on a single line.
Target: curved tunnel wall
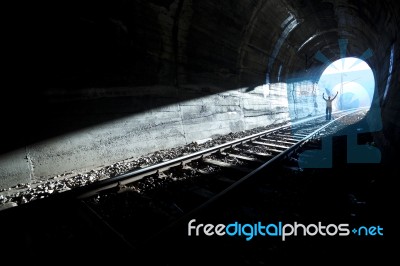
[(116, 79)]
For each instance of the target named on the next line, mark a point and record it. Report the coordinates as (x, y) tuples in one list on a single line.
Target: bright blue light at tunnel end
[(353, 79)]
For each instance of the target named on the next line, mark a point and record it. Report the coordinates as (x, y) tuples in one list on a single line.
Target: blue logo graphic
[(353, 83)]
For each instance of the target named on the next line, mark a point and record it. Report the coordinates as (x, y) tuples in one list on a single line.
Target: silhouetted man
[(329, 105)]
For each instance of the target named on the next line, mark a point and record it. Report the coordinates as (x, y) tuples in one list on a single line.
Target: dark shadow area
[(76, 64), (46, 231), (353, 194)]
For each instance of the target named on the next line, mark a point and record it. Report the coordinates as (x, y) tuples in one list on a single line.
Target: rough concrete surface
[(156, 129)]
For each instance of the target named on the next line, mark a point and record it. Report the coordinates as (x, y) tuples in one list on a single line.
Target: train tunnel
[(97, 82)]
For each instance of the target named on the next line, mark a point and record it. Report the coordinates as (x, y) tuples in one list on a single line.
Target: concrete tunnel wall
[(118, 79), (155, 129)]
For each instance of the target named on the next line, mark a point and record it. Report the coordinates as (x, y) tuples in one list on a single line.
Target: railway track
[(136, 207), (254, 149), (171, 191)]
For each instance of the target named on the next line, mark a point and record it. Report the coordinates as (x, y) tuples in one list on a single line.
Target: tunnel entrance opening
[(352, 79)]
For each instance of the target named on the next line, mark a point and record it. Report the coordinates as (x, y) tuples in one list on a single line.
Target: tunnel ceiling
[(84, 57), (316, 27), (223, 43)]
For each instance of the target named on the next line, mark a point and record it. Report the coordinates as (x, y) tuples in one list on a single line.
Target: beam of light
[(389, 72), (289, 25), (353, 79)]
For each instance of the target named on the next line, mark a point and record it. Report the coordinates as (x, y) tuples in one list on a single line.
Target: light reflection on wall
[(299, 97)]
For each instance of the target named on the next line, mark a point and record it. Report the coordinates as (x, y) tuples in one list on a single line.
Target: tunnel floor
[(357, 194), (42, 187)]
